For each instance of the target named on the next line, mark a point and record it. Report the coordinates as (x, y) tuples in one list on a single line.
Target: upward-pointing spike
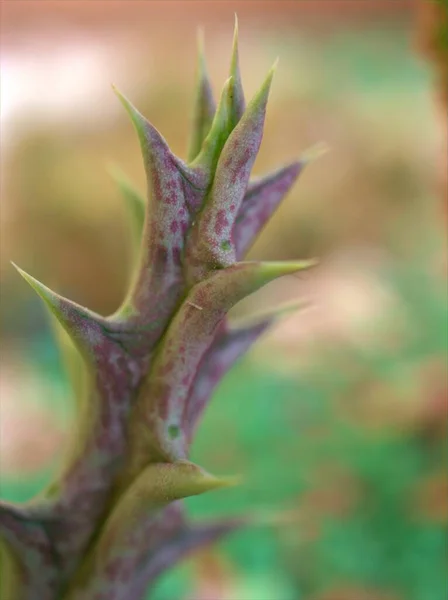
[(172, 200), (85, 328), (315, 152), (212, 146), (211, 244), (261, 199), (136, 117), (155, 147), (236, 100), (270, 316), (205, 106)]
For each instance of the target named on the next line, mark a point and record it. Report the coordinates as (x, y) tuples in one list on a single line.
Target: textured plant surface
[(112, 521)]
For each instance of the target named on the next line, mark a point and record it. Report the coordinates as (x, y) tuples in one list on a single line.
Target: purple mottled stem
[(187, 539), (119, 567), (27, 539), (157, 420), (262, 198), (227, 347)]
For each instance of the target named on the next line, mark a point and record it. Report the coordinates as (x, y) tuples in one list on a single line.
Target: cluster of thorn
[(112, 521)]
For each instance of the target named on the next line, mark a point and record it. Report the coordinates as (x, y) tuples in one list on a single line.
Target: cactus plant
[(113, 519)]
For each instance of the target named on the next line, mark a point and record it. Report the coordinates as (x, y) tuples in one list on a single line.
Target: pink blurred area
[(104, 13), (67, 51)]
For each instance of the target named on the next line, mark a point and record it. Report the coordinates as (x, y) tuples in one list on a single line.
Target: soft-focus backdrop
[(337, 419)]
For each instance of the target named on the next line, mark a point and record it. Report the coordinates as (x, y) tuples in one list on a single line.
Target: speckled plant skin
[(112, 521)]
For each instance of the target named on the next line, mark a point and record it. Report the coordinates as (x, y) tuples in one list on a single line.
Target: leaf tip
[(137, 119), (278, 269), (44, 292), (316, 151), (200, 44), (235, 43)]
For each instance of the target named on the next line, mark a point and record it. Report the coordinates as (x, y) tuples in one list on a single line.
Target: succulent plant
[(113, 519)]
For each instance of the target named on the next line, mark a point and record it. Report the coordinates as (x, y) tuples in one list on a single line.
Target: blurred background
[(337, 419)]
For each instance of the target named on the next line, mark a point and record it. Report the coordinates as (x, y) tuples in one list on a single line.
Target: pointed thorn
[(227, 83), (49, 297), (136, 117), (278, 269), (263, 92), (84, 327), (202, 63), (183, 478), (237, 103), (235, 46), (267, 316), (200, 40), (315, 152), (226, 481)]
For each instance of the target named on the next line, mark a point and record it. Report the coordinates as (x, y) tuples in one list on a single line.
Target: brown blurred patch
[(413, 401), (430, 500), (104, 13), (432, 40), (356, 593), (333, 493)]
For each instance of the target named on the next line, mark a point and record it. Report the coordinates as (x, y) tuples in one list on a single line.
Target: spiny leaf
[(263, 197), (157, 430), (160, 163), (173, 189), (86, 329), (237, 101), (205, 106), (133, 514), (260, 201), (232, 340), (155, 487), (211, 245), (29, 549), (227, 347)]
